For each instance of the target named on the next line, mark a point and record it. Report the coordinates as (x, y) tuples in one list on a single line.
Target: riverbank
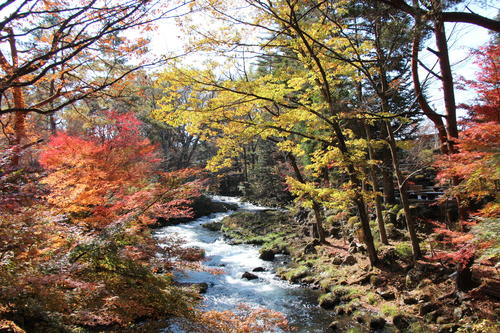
[(395, 296)]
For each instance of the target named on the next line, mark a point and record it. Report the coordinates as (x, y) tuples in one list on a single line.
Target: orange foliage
[(476, 163), (95, 180), (244, 320)]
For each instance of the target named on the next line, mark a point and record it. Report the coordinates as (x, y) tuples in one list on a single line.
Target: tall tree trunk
[(448, 90), (358, 196), (318, 216), (378, 199), (446, 75), (193, 149), (245, 165), (19, 125), (388, 184), (52, 119), (384, 95), (422, 101), (53, 125), (19, 102), (402, 185)]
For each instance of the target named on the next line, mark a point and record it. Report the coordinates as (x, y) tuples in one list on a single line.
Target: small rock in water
[(259, 269), (249, 276)]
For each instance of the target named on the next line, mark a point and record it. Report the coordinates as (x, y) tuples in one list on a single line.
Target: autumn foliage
[(475, 162), (475, 165), (92, 177), (243, 320), (80, 253)]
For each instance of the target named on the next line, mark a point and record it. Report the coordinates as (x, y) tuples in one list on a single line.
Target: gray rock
[(249, 276), (212, 226)]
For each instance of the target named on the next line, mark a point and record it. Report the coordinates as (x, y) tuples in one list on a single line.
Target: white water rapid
[(228, 290)]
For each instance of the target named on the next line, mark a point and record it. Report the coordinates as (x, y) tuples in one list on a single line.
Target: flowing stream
[(228, 290)]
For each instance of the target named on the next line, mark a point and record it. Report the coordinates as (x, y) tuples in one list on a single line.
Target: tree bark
[(446, 76), (358, 197), (459, 17), (388, 184), (378, 199), (402, 185), (318, 216), (422, 101)]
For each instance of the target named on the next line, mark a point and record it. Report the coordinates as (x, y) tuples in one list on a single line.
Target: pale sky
[(462, 39)]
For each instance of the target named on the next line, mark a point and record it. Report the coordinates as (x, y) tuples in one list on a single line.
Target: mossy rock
[(328, 301), (294, 275), (259, 228), (213, 226)]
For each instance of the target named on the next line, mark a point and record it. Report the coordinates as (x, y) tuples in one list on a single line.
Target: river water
[(228, 290)]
